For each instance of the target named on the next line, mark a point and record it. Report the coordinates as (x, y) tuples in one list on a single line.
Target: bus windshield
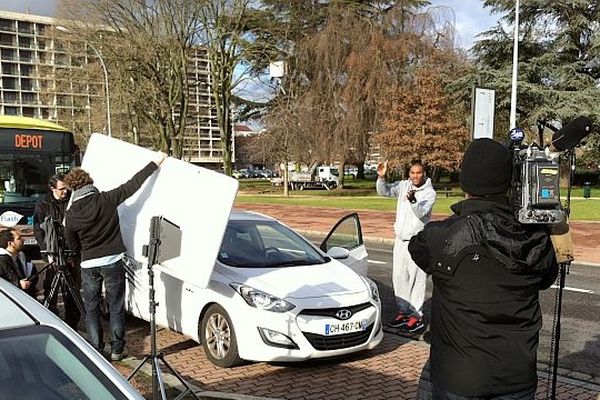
[(24, 177)]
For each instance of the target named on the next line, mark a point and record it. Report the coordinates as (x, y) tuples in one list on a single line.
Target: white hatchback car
[(272, 296), (42, 358)]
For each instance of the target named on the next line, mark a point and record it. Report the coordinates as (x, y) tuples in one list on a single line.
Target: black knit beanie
[(486, 168)]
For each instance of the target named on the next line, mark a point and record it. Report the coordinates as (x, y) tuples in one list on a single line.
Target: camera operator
[(13, 265), (49, 233), (487, 271), (92, 222), (415, 202)]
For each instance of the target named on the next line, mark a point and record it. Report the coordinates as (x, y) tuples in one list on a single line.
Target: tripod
[(63, 280), (155, 357)]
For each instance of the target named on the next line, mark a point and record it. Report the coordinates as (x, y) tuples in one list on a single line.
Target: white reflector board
[(196, 199)]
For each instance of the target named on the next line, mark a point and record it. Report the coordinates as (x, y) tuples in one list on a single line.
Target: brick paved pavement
[(390, 371)]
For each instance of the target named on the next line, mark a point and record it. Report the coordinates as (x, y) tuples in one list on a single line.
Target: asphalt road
[(580, 316)]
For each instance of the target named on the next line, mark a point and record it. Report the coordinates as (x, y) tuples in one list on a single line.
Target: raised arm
[(126, 190), (383, 188)]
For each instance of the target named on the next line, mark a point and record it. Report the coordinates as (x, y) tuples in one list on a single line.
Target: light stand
[(158, 226)]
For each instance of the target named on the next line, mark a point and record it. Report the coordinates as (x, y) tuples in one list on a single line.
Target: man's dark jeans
[(113, 276)]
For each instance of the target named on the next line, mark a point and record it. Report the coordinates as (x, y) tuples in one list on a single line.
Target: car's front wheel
[(218, 337)]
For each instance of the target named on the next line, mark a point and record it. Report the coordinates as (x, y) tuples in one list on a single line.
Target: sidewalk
[(377, 226)]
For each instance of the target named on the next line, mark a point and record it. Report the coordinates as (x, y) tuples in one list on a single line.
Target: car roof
[(241, 215)]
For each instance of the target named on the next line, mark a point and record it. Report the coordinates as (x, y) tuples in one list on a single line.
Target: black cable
[(551, 359)]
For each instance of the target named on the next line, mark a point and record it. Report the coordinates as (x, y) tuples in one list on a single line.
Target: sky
[(470, 16), (470, 19), (38, 7)]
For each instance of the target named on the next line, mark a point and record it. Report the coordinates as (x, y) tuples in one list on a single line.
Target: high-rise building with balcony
[(42, 77)]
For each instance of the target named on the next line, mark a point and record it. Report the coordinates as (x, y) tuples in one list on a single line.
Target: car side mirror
[(339, 253)]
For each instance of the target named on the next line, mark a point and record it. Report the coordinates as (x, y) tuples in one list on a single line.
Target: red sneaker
[(399, 321), (413, 324)]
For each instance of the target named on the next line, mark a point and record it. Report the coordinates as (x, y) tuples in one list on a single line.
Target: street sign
[(483, 113)]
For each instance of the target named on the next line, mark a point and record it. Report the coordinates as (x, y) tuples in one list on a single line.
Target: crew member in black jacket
[(92, 223), (487, 271), (13, 265), (49, 215)]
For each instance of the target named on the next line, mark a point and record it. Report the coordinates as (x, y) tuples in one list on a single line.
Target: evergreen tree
[(559, 63)]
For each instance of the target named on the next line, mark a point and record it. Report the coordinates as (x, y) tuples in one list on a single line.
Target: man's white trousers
[(409, 280)]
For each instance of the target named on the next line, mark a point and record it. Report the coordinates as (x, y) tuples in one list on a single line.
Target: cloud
[(38, 7)]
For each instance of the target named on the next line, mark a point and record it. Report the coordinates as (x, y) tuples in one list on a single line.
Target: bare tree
[(343, 69), (230, 31), (146, 46), (284, 139)]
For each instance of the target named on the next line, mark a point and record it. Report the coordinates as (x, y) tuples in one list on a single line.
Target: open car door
[(345, 243)]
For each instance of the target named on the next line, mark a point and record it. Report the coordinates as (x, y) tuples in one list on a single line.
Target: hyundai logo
[(343, 314)]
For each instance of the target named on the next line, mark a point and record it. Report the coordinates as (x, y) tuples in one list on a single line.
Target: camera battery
[(545, 179)]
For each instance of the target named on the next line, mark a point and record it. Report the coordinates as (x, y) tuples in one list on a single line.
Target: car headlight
[(259, 299), (372, 288)]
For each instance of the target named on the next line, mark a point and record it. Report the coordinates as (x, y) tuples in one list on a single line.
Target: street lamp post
[(515, 68), (108, 125)]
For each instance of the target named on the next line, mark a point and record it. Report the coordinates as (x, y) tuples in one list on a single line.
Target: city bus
[(31, 151)]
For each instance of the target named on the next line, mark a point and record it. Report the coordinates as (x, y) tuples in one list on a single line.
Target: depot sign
[(26, 141), (35, 140)]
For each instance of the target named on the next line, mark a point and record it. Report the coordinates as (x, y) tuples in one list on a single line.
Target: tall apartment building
[(33, 83)]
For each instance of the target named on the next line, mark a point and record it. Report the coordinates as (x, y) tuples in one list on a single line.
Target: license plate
[(345, 327), (30, 241)]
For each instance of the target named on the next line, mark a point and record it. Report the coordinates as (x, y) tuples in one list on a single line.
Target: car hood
[(298, 282)]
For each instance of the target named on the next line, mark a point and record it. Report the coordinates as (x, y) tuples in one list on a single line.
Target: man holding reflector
[(92, 222)]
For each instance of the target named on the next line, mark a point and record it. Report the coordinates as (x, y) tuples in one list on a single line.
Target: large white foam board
[(196, 199)]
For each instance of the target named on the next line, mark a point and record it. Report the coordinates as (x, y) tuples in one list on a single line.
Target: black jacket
[(47, 206), (93, 221), (487, 269), (13, 274)]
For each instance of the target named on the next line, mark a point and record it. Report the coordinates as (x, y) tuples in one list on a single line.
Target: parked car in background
[(272, 296), (371, 172), (41, 357), (266, 173), (352, 171)]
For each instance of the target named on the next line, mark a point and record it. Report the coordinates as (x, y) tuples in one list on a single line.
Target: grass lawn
[(366, 187), (588, 210)]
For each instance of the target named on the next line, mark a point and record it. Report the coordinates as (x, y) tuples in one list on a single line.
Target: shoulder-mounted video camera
[(536, 171)]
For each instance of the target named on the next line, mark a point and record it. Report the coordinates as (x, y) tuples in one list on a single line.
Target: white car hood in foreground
[(298, 282)]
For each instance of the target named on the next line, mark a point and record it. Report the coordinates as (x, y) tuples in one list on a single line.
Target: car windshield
[(38, 362), (265, 244)]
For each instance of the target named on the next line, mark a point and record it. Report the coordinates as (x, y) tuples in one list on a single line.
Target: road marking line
[(377, 262), (572, 289)]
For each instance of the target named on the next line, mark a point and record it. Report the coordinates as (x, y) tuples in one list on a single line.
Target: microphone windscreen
[(571, 134)]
